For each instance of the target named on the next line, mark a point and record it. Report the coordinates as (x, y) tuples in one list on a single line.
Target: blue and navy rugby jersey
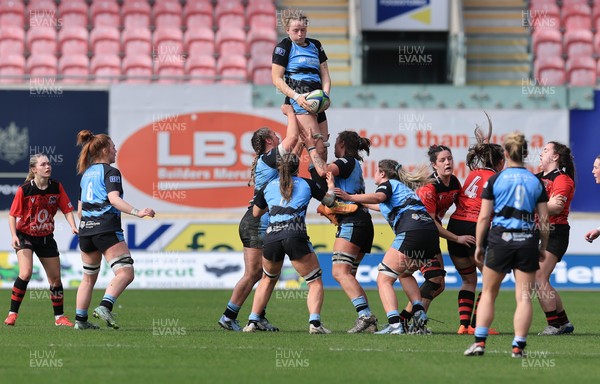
[(403, 209), (287, 218), (515, 192), (302, 64), (98, 215), (350, 179)]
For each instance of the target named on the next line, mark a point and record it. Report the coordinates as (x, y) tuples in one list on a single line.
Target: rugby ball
[(318, 100)]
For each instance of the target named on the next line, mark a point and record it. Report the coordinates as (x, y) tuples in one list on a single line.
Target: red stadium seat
[(12, 41), (42, 65), (73, 13), (596, 16), (49, 5), (105, 13), (259, 70), (570, 2), (74, 68), (230, 14), (198, 13), (578, 42), (550, 70), (105, 41), (12, 69), (41, 41), (232, 69), (106, 68), (544, 16), (261, 14), (547, 42), (137, 68), (73, 41), (12, 14), (261, 42), (581, 71), (202, 69), (136, 14), (199, 41), (597, 44), (170, 71), (576, 16), (168, 42), (168, 14), (43, 13), (231, 41), (137, 41)]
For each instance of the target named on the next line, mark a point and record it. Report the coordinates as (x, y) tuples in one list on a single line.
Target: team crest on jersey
[(52, 200), (32, 199), (279, 51), (14, 143)]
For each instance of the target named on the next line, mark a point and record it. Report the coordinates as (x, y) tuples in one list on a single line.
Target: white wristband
[(296, 95), (134, 212)]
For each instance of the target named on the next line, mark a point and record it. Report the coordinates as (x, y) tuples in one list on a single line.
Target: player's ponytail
[(565, 159), (353, 144), (516, 147), (288, 167), (394, 171), (91, 148), (258, 142)]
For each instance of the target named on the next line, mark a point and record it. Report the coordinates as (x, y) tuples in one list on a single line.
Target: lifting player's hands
[(330, 181), (287, 109), (467, 240)]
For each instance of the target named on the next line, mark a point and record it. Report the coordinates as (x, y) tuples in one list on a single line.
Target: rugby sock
[(81, 314), (519, 342), (466, 300), (232, 310), (474, 319), (361, 306), (263, 314), (481, 334), (315, 319), (562, 317), (108, 301), (57, 298), (253, 318), (393, 317), (18, 292), (417, 306), (405, 317), (552, 319)]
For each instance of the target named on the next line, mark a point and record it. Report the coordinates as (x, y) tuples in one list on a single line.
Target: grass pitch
[(173, 337)]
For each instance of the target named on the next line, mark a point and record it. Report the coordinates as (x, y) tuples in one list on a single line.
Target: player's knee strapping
[(313, 276), (91, 269), (467, 271), (343, 258), (355, 265), (123, 261), (428, 289), (272, 276), (387, 271)]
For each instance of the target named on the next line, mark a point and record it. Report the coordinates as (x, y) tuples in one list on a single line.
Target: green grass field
[(173, 336)]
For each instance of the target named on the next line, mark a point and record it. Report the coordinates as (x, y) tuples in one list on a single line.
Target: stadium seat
[(581, 71), (168, 42), (136, 14), (202, 69), (73, 13), (576, 16), (12, 14), (106, 68), (261, 14), (42, 4), (41, 40), (199, 41), (550, 70), (73, 41), (570, 2), (596, 17), (538, 2), (170, 71), (74, 68), (137, 41), (168, 14), (105, 13), (230, 14), (42, 65), (544, 16), (12, 69), (259, 70), (596, 43), (137, 69), (547, 42), (196, 13), (105, 41), (261, 42), (231, 41), (232, 69), (43, 13), (578, 42), (12, 41)]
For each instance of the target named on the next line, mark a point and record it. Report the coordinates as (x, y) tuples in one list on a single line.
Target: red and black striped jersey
[(36, 207), (559, 183), (468, 204), (438, 197)]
